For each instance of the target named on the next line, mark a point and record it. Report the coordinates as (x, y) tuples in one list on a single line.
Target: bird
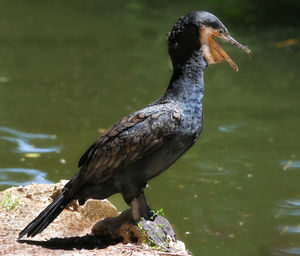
[(148, 141)]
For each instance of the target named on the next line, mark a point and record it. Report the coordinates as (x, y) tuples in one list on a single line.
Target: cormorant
[(145, 143)]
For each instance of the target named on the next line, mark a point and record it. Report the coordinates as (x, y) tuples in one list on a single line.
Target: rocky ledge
[(74, 232)]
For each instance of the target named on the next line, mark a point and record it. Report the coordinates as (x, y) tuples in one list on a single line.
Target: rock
[(155, 233), (161, 235), (120, 227)]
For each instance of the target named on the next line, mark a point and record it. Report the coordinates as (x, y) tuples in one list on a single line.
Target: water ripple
[(23, 141), (289, 208), (212, 170), (229, 128), (290, 203), (26, 135), (24, 147), (289, 229), (287, 251), (14, 176), (291, 164)]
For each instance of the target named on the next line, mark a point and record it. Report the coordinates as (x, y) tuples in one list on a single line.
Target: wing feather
[(126, 142)]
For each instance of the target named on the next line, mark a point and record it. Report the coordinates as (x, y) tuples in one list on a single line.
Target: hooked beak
[(214, 53)]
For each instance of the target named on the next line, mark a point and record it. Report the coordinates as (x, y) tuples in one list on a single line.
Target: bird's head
[(196, 31)]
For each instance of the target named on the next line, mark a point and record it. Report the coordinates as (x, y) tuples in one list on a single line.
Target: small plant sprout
[(157, 212), (10, 202)]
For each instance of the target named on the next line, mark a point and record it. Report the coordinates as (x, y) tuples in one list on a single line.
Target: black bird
[(145, 143)]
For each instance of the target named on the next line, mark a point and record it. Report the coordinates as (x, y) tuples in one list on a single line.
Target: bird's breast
[(192, 119), (168, 154)]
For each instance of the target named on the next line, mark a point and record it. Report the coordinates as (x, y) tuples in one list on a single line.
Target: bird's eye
[(220, 31)]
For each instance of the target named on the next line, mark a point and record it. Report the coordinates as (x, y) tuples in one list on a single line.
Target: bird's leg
[(140, 208)]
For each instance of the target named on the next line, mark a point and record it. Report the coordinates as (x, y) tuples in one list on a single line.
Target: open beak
[(214, 53)]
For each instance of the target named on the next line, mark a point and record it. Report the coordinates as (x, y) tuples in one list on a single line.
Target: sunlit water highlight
[(21, 176), (230, 128), (290, 164), (25, 135), (288, 208), (24, 140), (289, 229), (287, 252)]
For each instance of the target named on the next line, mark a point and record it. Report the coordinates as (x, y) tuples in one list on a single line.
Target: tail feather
[(46, 216)]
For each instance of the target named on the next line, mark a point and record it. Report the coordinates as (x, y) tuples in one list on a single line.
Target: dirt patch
[(69, 234)]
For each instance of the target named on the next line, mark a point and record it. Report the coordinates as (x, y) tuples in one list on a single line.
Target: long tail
[(46, 216)]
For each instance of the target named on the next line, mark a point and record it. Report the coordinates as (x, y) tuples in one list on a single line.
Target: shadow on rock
[(78, 242)]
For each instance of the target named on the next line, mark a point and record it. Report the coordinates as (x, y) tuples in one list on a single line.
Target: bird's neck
[(187, 82)]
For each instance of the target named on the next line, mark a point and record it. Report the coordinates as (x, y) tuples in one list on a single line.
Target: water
[(68, 71)]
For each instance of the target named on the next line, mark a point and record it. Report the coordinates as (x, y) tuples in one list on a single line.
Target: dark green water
[(68, 69)]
